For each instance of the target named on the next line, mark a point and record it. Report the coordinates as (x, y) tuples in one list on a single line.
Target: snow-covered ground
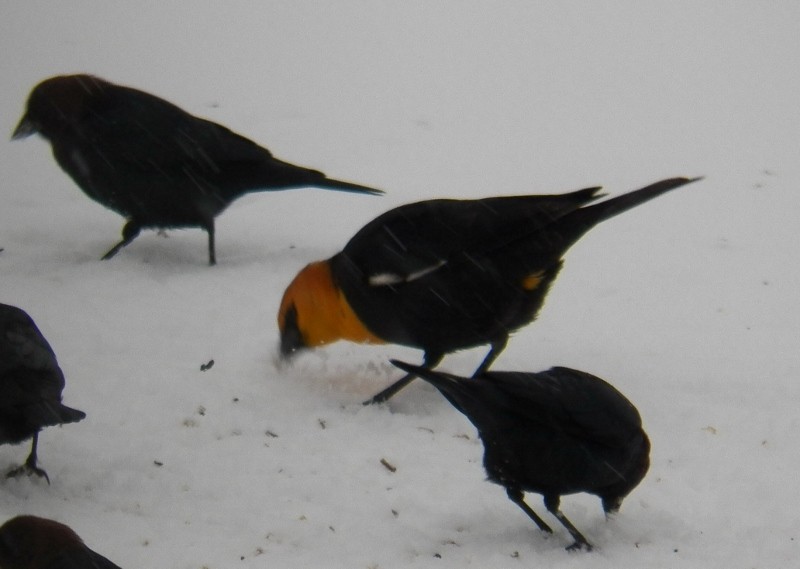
[(688, 304)]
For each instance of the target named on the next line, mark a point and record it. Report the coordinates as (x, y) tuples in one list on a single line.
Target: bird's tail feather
[(342, 186), (273, 174), (470, 396), (441, 381), (70, 415), (590, 216), (53, 413)]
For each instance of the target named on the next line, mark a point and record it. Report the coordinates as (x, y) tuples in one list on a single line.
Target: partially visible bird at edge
[(32, 542), (31, 383)]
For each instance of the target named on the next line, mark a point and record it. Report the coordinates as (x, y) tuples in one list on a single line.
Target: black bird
[(443, 275), (30, 386), (152, 162), (31, 542), (556, 432)]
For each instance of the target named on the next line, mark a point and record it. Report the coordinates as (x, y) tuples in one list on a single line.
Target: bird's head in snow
[(58, 104), (314, 312)]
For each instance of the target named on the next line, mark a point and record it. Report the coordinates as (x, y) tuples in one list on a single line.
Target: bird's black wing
[(579, 403), (575, 403), (149, 134), (409, 242), (561, 399), (28, 366), (31, 381)]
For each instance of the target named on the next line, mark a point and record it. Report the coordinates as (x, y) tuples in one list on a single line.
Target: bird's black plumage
[(149, 160), (447, 274), (443, 275), (31, 383), (556, 432), (31, 542)]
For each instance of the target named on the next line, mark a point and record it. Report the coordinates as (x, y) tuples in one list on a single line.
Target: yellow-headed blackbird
[(152, 162), (556, 432), (442, 275), (30, 542), (30, 385)]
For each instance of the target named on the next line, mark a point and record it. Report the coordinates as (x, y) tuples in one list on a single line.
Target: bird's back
[(446, 274), (414, 235)]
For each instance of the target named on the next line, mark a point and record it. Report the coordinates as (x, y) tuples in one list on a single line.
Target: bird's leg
[(30, 466), (430, 361), (516, 496), (496, 348), (611, 505), (129, 232), (552, 505), (212, 255)]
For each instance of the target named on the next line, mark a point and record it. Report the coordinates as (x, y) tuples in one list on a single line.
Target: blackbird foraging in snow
[(443, 275), (31, 542), (30, 386), (555, 432), (152, 162)]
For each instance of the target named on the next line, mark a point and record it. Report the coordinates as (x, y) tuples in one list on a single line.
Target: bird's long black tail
[(470, 396), (70, 415), (587, 217), (436, 378), (271, 174), (46, 413), (342, 186)]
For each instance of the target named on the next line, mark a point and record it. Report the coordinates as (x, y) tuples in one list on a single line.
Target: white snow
[(688, 304)]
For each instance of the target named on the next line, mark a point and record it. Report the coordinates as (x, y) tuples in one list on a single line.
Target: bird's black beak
[(291, 338), (25, 128)]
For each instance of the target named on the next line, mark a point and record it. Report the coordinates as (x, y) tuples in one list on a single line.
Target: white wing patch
[(388, 279), (80, 163)]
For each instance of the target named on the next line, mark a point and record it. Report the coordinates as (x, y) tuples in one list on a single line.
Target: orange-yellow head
[(314, 312)]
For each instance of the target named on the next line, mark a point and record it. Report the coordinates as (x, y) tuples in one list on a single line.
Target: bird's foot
[(29, 470), (578, 545)]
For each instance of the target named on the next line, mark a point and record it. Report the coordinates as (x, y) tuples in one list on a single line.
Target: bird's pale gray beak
[(25, 128)]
